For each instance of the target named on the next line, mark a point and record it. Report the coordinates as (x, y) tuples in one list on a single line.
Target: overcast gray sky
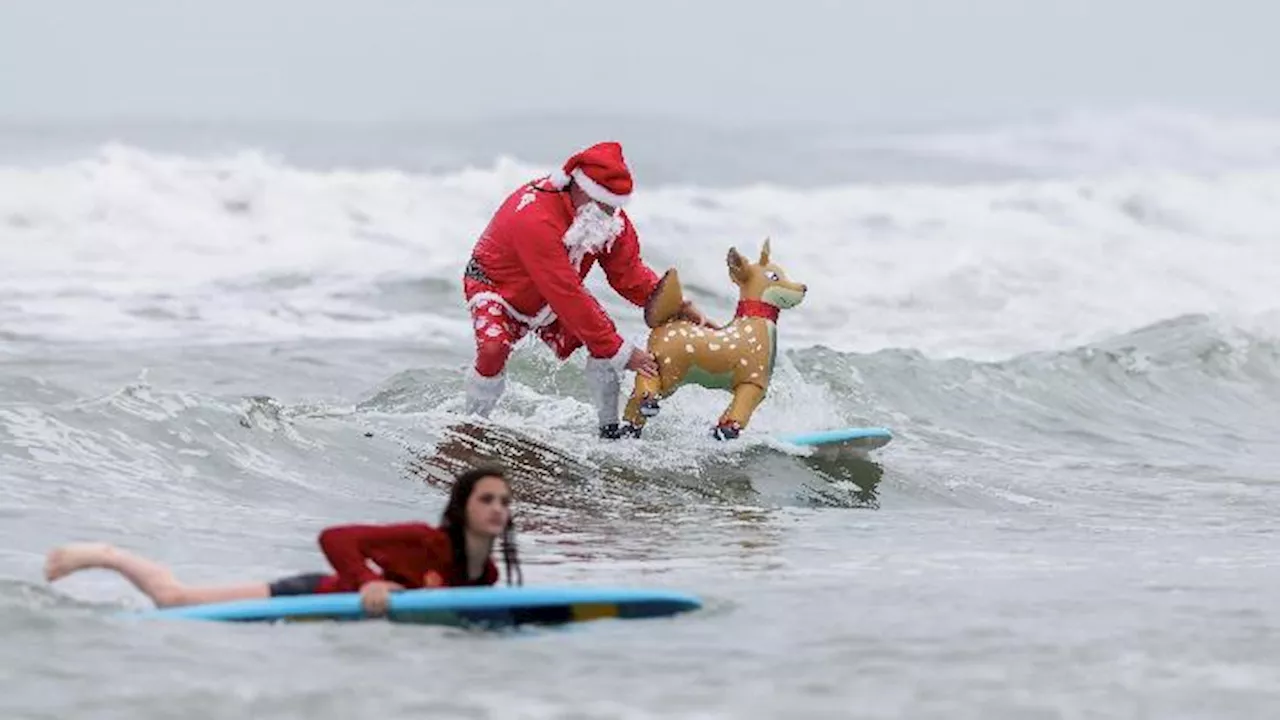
[(741, 62)]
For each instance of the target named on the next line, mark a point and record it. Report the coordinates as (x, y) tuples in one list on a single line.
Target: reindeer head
[(764, 281)]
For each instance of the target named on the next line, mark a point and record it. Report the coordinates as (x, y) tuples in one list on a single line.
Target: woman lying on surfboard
[(411, 555)]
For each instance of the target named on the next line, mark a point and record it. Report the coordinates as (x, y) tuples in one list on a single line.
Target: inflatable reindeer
[(738, 357)]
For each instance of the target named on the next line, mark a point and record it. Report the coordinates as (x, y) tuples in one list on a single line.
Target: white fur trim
[(620, 358), (558, 179), (544, 317), (597, 191), (486, 384)]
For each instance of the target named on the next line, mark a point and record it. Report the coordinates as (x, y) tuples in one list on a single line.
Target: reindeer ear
[(737, 266), (764, 253)]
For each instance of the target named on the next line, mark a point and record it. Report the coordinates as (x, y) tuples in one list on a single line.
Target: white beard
[(593, 230)]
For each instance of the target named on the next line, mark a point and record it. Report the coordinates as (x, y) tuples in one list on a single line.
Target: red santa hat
[(600, 171)]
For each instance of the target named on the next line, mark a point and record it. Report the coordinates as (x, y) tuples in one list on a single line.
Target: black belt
[(475, 272)]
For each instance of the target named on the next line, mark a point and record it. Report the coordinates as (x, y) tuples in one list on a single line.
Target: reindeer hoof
[(727, 431), (649, 407), (614, 431)]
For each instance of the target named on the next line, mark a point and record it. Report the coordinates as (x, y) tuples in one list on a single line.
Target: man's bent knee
[(561, 343)]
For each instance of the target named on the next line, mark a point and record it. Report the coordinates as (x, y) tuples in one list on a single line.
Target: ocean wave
[(128, 244)]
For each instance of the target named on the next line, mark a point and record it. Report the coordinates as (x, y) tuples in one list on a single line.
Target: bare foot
[(62, 561)]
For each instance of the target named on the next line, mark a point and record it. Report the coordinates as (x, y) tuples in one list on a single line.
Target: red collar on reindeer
[(756, 308)]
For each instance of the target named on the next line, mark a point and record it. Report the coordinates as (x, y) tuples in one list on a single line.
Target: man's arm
[(546, 260), (626, 271), (634, 280)]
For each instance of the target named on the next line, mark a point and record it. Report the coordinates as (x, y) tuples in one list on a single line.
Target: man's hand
[(642, 362), (374, 596), (694, 315)]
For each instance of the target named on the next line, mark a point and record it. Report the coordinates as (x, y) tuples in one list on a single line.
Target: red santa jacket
[(523, 255)]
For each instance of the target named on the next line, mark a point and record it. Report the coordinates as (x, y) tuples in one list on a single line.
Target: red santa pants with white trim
[(497, 333)]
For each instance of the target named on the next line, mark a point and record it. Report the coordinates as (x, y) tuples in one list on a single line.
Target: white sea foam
[(132, 244)]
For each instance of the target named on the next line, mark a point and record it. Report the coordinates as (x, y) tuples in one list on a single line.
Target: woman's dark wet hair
[(454, 522)]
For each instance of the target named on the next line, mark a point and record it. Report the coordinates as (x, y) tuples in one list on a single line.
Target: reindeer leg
[(642, 405), (746, 397)]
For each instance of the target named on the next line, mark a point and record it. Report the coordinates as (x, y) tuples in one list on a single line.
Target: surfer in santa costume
[(526, 274)]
